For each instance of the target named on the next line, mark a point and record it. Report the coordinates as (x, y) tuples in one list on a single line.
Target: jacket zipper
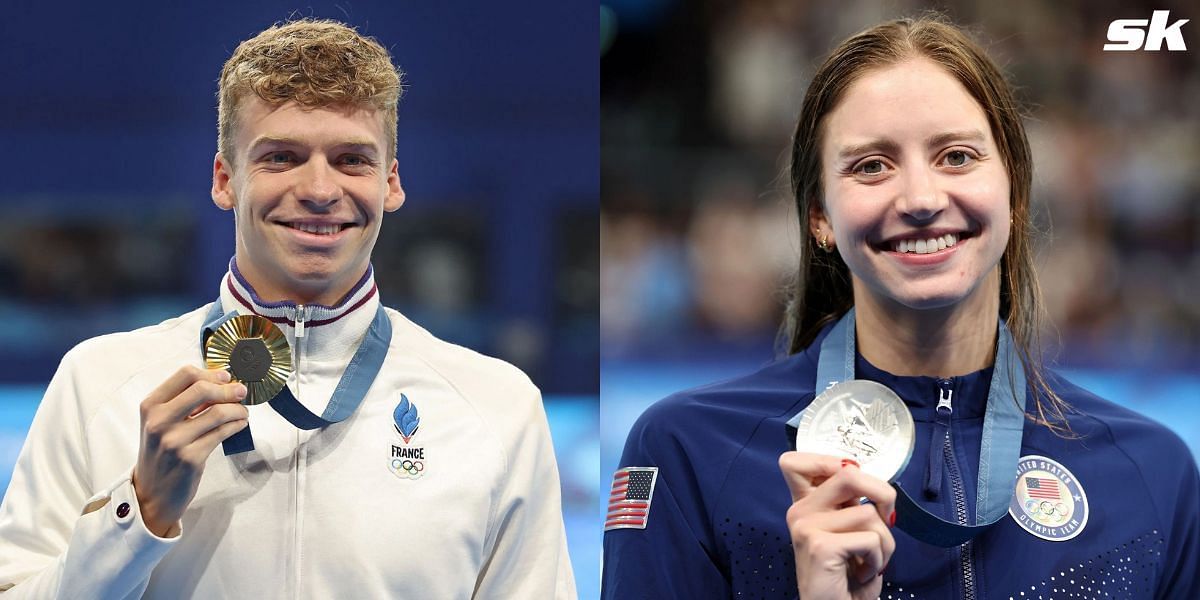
[(300, 318), (940, 433), (297, 500), (965, 552), (298, 355)]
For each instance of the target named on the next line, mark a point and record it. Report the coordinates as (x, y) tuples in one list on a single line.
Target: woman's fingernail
[(849, 461), (892, 520)]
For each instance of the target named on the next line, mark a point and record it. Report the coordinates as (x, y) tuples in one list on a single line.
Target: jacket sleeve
[(673, 556), (60, 537), (1180, 578), (526, 543)]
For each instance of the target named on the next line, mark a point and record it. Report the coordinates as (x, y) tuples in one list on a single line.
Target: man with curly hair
[(390, 465)]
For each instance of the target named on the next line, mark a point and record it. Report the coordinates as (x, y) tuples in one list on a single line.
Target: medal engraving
[(862, 420), (255, 352), (250, 360)]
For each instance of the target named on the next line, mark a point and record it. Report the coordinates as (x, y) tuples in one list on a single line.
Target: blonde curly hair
[(316, 63)]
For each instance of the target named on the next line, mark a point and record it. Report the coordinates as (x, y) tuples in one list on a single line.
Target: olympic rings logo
[(1051, 511), (412, 467)]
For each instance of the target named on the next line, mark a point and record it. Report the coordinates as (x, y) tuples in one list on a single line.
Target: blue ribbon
[(347, 396), (1000, 449)]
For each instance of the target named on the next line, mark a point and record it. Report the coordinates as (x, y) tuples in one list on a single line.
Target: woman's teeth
[(318, 229), (925, 246)]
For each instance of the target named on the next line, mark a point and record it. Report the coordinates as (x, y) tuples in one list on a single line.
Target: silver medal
[(862, 420)]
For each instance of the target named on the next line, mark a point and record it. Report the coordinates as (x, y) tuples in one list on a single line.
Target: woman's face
[(916, 193)]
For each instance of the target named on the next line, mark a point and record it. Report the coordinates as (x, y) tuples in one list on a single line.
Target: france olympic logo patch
[(1048, 501), (407, 460)]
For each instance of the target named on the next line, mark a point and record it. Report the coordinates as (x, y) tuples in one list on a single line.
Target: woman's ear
[(819, 226)]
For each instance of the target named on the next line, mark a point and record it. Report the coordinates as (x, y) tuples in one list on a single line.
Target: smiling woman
[(926, 172), (911, 174)]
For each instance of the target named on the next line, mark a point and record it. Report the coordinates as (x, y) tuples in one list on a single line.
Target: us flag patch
[(629, 500)]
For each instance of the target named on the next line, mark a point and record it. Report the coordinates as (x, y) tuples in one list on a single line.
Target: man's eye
[(279, 158), (354, 161)]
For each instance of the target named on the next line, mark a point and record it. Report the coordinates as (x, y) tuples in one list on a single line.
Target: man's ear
[(222, 190), (395, 193)]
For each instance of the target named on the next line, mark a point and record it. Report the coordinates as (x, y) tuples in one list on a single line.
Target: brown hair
[(316, 63), (821, 291)]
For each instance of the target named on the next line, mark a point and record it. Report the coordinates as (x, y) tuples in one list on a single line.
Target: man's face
[(308, 189)]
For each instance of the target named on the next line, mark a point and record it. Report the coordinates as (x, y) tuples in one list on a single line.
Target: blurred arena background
[(698, 104), (108, 129)]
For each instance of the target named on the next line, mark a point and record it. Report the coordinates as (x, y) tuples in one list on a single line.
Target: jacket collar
[(920, 393), (330, 332)]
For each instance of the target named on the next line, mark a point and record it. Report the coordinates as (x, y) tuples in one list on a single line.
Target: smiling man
[(390, 465)]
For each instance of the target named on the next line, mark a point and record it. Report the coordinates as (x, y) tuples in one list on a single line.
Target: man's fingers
[(205, 444), (803, 471), (230, 393), (218, 414), (192, 400), (183, 379)]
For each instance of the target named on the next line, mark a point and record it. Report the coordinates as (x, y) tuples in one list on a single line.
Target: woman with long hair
[(925, 450)]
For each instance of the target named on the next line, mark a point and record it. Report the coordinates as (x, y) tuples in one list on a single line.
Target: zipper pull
[(939, 439), (300, 321), (944, 400)]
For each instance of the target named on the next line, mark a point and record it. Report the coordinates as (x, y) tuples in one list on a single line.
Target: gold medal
[(255, 352)]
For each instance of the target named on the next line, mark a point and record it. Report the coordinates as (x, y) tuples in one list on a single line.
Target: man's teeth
[(318, 229), (925, 246)]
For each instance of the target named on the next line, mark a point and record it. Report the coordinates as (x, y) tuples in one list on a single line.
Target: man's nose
[(318, 184)]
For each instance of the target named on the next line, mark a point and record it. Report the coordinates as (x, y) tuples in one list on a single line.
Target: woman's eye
[(871, 167), (957, 158)]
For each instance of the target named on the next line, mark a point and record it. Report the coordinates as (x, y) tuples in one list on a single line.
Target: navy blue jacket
[(716, 526)]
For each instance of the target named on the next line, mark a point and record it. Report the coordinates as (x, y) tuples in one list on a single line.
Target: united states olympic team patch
[(1049, 502)]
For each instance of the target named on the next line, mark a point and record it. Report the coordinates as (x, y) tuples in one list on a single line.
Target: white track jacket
[(329, 513)]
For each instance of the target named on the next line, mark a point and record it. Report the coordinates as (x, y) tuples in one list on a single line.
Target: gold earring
[(823, 243)]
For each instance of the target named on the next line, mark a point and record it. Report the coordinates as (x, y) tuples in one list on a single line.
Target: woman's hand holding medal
[(841, 543), (183, 420)]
